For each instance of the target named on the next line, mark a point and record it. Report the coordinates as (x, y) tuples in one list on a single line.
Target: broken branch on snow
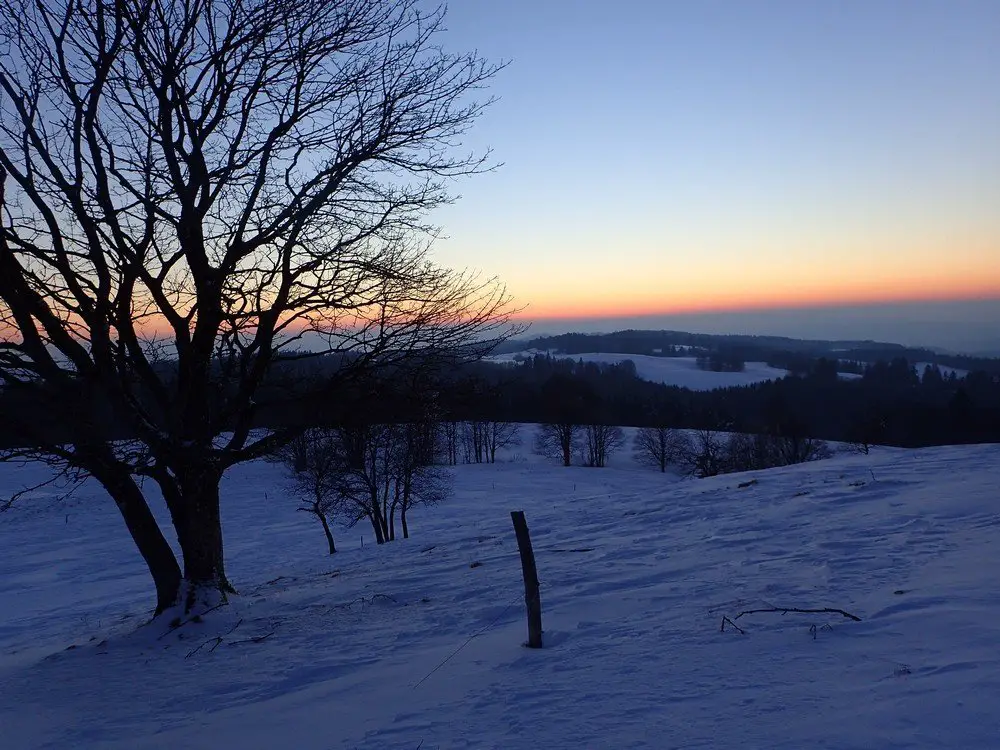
[(797, 610)]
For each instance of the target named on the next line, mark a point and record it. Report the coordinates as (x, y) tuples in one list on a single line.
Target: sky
[(684, 158)]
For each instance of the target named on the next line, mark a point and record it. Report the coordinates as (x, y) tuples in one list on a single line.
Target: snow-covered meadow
[(679, 371), (418, 643)]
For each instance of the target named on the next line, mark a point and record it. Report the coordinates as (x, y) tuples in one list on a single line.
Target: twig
[(66, 472), (725, 619), (252, 639), (192, 652), (362, 600), (218, 640), (191, 619), (786, 610)]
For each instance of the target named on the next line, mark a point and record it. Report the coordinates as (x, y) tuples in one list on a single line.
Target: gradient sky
[(664, 156)]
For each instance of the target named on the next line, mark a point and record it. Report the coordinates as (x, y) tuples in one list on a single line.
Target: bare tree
[(600, 441), (193, 193), (312, 466), (418, 481), (383, 469), (451, 434), (499, 435), (364, 485), (568, 403), (474, 441), (705, 454), (483, 438), (799, 448), (557, 440), (659, 446), (746, 452), (709, 453)]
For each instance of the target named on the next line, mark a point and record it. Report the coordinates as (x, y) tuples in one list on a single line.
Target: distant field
[(679, 371)]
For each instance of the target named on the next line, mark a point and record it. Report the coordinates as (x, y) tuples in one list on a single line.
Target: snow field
[(678, 371), (371, 648)]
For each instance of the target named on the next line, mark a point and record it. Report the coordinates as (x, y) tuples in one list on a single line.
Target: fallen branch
[(215, 645), (725, 620), (366, 600), (253, 639), (194, 618), (218, 640), (729, 606), (786, 610)]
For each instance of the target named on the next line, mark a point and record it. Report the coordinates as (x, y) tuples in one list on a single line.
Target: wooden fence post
[(532, 599)]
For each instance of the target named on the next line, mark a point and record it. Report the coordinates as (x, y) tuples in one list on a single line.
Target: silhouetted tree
[(417, 480), (600, 442), (474, 441), (497, 436), (557, 440), (312, 466), (705, 454), (213, 182), (385, 469), (659, 446), (451, 436)]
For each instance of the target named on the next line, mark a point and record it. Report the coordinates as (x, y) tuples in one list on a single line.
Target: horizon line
[(526, 315)]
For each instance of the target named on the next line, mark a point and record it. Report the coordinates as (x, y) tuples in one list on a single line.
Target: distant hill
[(776, 351)]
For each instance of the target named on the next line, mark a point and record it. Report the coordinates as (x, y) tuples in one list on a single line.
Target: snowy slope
[(679, 371), (372, 649)]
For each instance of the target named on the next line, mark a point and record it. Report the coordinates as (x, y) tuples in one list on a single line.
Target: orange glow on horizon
[(694, 304)]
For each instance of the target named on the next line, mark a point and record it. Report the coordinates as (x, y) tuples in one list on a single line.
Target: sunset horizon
[(549, 312), (947, 324), (718, 158)]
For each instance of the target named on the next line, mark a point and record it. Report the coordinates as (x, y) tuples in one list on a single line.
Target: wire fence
[(486, 628)]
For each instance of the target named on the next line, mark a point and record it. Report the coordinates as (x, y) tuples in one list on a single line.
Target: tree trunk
[(146, 533), (402, 521), (139, 519), (326, 530), (392, 513), (379, 536), (199, 532)]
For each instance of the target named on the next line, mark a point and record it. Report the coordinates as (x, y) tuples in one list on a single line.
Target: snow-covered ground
[(679, 371), (417, 644)]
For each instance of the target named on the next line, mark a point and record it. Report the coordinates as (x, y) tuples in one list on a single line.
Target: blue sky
[(687, 156)]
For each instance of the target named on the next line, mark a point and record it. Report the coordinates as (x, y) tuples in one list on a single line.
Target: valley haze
[(955, 326)]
